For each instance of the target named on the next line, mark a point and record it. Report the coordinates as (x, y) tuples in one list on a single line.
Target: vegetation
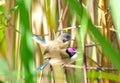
[(93, 24)]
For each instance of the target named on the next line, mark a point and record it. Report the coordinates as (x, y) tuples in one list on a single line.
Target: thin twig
[(90, 45), (90, 68), (68, 28), (85, 66)]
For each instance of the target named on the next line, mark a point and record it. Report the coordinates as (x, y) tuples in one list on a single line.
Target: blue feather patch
[(39, 39), (43, 65)]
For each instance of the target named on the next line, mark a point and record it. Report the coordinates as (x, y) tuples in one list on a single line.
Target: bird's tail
[(43, 65)]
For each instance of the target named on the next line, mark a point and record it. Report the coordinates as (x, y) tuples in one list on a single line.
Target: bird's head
[(64, 37)]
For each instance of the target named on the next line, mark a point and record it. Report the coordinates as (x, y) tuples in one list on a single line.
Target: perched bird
[(56, 51), (59, 57), (60, 43)]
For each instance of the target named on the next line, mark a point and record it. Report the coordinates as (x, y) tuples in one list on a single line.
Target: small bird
[(55, 51), (61, 42), (59, 57)]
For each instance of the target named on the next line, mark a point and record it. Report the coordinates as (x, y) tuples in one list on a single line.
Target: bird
[(59, 57), (61, 42), (53, 50)]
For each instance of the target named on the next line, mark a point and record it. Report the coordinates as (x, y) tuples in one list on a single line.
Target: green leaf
[(13, 9), (4, 70), (26, 46), (2, 9), (96, 74), (114, 5)]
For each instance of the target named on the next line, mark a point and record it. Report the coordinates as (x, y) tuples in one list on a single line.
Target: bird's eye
[(64, 40)]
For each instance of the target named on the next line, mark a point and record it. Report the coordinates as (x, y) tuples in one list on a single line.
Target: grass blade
[(26, 46)]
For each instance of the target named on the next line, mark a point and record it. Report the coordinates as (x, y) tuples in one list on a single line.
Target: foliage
[(52, 18)]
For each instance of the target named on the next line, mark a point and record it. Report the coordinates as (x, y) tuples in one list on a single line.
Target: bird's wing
[(43, 65), (38, 39)]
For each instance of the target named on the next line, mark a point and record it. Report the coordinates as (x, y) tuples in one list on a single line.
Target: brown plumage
[(56, 56)]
